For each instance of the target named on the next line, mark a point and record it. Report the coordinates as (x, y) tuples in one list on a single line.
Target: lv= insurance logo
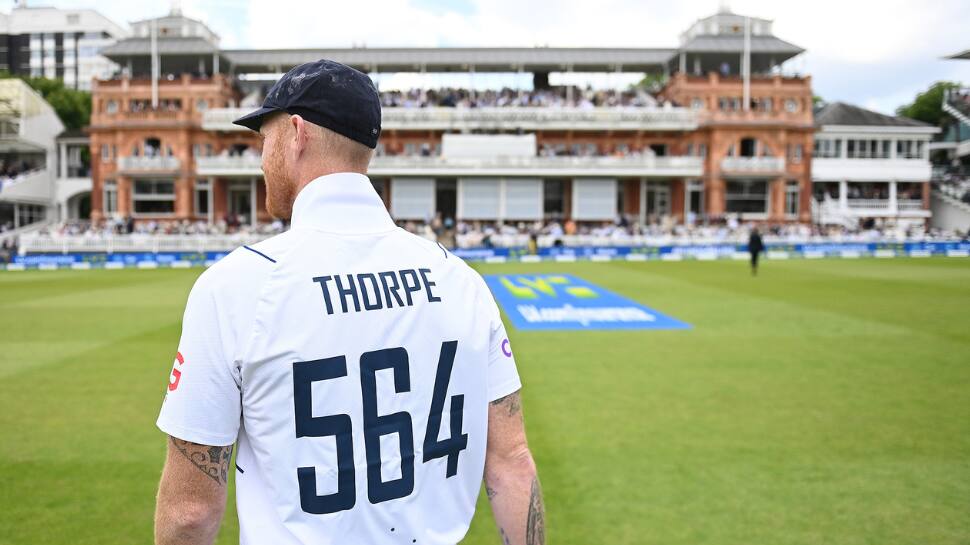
[(533, 287), (563, 301)]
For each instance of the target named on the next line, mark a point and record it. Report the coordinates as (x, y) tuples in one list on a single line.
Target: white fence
[(46, 243), (65, 244)]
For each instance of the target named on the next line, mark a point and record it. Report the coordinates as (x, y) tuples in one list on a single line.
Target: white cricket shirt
[(352, 363)]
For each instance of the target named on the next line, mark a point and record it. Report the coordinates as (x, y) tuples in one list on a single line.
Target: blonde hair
[(339, 150)]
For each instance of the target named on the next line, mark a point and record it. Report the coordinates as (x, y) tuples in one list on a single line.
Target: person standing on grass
[(363, 372), (755, 247)]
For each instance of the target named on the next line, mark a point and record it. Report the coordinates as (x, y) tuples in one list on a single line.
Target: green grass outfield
[(824, 402)]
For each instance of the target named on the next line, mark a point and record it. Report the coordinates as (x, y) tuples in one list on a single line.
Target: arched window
[(749, 147)]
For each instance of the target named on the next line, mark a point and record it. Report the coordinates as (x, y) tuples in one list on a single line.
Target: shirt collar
[(344, 202)]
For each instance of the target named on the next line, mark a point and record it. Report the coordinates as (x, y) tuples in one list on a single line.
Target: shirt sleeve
[(503, 377), (202, 400)]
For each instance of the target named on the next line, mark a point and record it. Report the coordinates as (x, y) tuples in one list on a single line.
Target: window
[(868, 149), (795, 153), (791, 105), (201, 198), (791, 198), (553, 199), (110, 204), (111, 106), (826, 148), (747, 197), (749, 147), (909, 149), (153, 197), (105, 152), (729, 104), (825, 191), (697, 104), (201, 104)]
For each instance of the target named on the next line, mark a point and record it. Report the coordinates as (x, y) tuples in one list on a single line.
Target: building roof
[(735, 44), (483, 59), (135, 47), (840, 113)]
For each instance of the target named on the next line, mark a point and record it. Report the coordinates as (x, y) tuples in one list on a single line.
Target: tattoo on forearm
[(213, 461), (535, 528), (512, 402), (490, 492), (505, 537)]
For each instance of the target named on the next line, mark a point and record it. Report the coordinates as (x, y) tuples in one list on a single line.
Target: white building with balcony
[(28, 129), (868, 165)]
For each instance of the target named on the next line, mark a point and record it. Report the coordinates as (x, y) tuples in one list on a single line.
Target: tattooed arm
[(510, 476), (192, 494)]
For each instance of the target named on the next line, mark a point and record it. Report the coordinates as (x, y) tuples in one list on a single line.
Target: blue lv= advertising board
[(563, 301)]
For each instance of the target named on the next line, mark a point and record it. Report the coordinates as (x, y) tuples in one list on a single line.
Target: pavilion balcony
[(406, 165), (506, 118), (753, 166), (148, 165)]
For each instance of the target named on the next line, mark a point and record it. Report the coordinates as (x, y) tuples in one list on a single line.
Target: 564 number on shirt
[(305, 373)]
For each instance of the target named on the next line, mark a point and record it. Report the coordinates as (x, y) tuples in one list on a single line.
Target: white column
[(746, 71), (215, 63), (893, 201), (16, 215), (844, 151), (62, 168), (892, 148), (156, 60), (252, 201), (683, 62), (569, 88), (843, 195)]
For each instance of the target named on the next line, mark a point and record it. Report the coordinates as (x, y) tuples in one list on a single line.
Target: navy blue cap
[(328, 94)]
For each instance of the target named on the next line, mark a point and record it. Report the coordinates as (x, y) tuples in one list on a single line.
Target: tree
[(72, 107), (928, 105), (652, 82)]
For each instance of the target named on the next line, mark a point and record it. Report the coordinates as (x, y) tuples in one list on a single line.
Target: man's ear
[(300, 134)]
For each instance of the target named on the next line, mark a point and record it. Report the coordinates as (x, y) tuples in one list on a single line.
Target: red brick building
[(727, 134)]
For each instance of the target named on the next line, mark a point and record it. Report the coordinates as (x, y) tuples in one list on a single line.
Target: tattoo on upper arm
[(213, 461), (535, 528), (512, 402)]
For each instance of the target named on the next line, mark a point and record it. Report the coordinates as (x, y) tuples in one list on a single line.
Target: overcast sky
[(874, 53)]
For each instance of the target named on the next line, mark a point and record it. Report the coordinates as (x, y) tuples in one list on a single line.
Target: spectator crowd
[(449, 97)]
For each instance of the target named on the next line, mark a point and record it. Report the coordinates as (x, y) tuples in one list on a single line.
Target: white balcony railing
[(549, 118), (149, 164), (753, 165), (868, 203), (238, 165), (535, 166), (909, 204)]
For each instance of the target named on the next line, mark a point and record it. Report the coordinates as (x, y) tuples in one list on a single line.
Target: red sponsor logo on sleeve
[(173, 380)]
